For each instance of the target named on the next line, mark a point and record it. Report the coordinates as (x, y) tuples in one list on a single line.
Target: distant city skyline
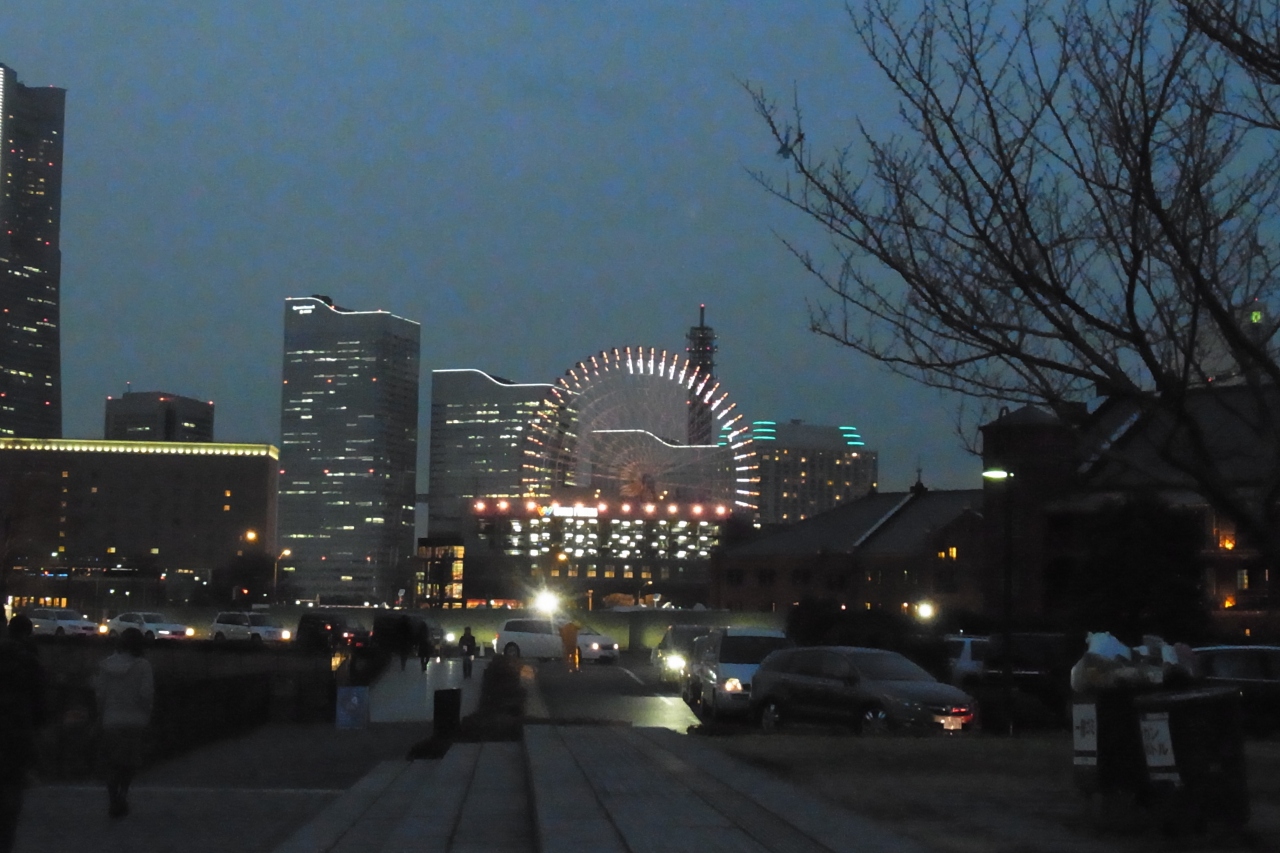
[(533, 185)]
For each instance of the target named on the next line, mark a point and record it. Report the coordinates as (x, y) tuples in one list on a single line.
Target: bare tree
[(1079, 198)]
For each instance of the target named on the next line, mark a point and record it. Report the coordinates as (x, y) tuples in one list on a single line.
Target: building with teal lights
[(806, 469)]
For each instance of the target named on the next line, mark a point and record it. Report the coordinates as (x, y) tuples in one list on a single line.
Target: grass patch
[(982, 793)]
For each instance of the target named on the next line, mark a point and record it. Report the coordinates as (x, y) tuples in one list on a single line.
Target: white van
[(724, 662), (528, 638)]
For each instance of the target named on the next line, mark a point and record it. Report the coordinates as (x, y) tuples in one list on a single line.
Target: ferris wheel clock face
[(640, 423)]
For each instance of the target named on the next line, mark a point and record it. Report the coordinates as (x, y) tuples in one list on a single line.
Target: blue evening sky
[(533, 182)]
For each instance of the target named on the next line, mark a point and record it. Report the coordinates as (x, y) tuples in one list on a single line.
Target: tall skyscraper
[(479, 428), (31, 126), (157, 416), (349, 425), (701, 347), (806, 469)]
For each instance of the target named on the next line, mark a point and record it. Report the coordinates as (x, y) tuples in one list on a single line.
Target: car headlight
[(732, 685), (190, 632), (673, 661), (103, 629), (595, 647), (615, 647), (285, 635), (450, 637), (164, 632)]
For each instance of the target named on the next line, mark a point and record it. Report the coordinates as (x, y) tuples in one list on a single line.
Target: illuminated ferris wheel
[(643, 424)]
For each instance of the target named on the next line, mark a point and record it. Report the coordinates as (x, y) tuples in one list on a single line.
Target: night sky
[(533, 182)]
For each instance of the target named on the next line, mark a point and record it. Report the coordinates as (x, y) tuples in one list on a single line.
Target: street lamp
[(996, 474), (640, 592), (275, 575)]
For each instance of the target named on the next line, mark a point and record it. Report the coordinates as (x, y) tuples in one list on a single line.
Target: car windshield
[(152, 617), (682, 638), (261, 619), (588, 632), (750, 649), (888, 666)]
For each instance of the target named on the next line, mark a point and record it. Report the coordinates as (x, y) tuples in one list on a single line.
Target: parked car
[(592, 645), (869, 690), (151, 624), (326, 630), (530, 638), (725, 661), (1255, 672), (60, 621), (965, 656), (253, 627), (1040, 664), (674, 651)]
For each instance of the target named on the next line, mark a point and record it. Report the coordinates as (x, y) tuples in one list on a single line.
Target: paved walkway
[(564, 789), (408, 695), (585, 789)]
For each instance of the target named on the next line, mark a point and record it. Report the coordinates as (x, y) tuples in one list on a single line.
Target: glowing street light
[(546, 601)]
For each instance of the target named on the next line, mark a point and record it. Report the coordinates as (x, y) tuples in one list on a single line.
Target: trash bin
[(1193, 750), (447, 712), (1108, 756)]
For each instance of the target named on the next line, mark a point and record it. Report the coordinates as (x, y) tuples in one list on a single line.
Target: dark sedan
[(870, 690), (1255, 672)]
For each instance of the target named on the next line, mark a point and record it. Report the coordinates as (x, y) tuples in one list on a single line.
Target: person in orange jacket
[(569, 638)]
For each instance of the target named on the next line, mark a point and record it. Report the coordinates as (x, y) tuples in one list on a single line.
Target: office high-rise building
[(349, 424), (31, 126), (807, 469), (157, 416), (479, 428)]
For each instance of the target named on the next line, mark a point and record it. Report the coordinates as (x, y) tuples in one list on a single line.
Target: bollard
[(447, 714)]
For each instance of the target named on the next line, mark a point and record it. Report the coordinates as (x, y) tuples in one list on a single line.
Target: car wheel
[(707, 708), (511, 650), (255, 639), (771, 717), (873, 721), (59, 632), (113, 633), (219, 637), (149, 636)]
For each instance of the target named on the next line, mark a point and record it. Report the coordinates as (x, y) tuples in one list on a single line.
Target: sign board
[(353, 707), (1157, 745), (1084, 732)]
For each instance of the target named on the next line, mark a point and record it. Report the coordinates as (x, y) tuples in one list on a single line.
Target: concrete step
[(326, 829), (429, 821), (567, 814)]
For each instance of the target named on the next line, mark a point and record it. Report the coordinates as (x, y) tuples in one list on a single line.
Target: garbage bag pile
[(1109, 663)]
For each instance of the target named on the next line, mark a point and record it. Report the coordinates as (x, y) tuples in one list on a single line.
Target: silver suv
[(724, 662)]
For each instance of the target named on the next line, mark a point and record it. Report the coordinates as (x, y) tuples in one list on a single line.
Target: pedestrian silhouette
[(426, 649), (125, 687), (467, 645), (403, 639), (22, 712)]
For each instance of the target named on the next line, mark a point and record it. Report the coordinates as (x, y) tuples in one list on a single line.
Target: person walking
[(125, 687), (22, 712), (468, 646), (426, 649), (403, 639), (569, 639)]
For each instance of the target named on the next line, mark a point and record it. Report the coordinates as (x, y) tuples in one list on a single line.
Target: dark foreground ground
[(990, 794)]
